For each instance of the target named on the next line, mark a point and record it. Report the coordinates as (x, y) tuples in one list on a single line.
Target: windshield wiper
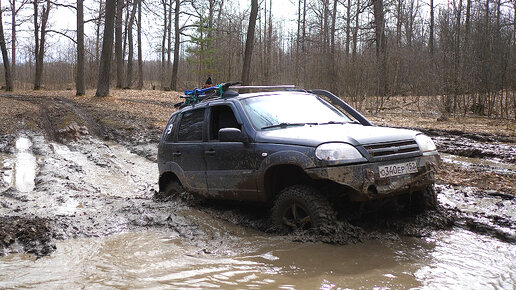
[(284, 125), (332, 122)]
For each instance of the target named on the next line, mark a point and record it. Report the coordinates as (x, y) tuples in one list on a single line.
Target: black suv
[(304, 153)]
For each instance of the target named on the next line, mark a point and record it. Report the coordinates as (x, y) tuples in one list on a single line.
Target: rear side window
[(170, 129), (191, 125)]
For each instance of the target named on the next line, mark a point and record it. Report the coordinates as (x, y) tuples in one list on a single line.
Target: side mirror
[(231, 135)]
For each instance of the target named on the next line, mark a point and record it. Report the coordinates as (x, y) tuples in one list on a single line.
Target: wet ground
[(77, 209)]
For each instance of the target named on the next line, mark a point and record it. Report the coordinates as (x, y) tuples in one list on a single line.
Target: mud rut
[(95, 187)]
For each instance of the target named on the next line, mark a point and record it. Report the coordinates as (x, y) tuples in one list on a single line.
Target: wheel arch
[(280, 176), (166, 178)]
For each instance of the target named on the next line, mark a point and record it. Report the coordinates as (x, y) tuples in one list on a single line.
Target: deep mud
[(92, 188), (95, 175)]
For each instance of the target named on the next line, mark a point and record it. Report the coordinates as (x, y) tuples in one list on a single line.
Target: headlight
[(337, 152), (425, 143)]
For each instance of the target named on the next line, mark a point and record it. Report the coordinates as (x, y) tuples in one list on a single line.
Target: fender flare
[(288, 157)]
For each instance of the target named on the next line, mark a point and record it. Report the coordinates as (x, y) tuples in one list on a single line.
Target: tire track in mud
[(477, 145), (56, 113)]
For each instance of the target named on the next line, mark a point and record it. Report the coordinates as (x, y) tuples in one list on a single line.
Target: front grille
[(391, 150)]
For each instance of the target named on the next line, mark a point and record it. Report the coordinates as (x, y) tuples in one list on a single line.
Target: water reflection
[(25, 166)]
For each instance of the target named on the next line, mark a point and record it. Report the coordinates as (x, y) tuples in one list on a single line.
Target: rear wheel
[(302, 207), (173, 189)]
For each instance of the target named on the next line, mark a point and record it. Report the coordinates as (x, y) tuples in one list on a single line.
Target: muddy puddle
[(97, 198), (450, 259), (19, 170), (487, 164)]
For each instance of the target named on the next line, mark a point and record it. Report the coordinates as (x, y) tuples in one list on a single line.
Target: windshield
[(291, 110)]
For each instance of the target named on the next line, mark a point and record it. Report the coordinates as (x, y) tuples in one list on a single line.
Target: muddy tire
[(302, 207), (424, 200), (172, 190)]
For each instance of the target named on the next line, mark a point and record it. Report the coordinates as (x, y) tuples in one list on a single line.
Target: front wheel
[(302, 207), (424, 200)]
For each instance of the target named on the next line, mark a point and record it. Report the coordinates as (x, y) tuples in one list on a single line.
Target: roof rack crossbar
[(265, 87)]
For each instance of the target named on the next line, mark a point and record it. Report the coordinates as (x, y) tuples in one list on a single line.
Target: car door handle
[(210, 152), (176, 154)]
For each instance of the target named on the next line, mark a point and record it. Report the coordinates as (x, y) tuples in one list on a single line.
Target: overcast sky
[(63, 19)]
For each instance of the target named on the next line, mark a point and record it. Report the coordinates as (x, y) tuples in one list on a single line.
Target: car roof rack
[(197, 95), (222, 91), (286, 87)]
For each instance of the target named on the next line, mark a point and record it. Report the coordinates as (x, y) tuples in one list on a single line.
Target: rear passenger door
[(187, 152)]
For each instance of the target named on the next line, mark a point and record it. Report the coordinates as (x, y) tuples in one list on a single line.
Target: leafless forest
[(459, 55)]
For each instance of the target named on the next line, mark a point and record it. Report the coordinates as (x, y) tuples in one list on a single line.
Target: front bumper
[(365, 183)]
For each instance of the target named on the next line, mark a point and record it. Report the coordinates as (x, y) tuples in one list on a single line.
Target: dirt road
[(82, 167)]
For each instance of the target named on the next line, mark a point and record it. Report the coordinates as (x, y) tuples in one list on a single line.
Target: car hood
[(314, 135)]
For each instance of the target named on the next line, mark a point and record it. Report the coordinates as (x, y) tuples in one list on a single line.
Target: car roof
[(273, 93)]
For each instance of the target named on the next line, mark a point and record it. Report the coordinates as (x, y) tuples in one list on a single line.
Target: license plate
[(397, 169)]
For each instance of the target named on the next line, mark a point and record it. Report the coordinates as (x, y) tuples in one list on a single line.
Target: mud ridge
[(31, 235)]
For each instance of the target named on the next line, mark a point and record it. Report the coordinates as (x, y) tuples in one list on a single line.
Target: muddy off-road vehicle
[(304, 153)]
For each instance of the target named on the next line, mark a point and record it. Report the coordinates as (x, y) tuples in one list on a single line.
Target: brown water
[(202, 251), (455, 259)]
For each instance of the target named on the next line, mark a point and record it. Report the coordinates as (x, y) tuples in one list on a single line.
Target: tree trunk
[(40, 47), (80, 49), (130, 24), (5, 56), (107, 50), (13, 39), (348, 28), (303, 45), (177, 35), (118, 44), (163, 43), (139, 36), (268, 43), (381, 48), (431, 32), (249, 43), (332, 61), (332, 30), (355, 30), (97, 34), (169, 36), (399, 22)]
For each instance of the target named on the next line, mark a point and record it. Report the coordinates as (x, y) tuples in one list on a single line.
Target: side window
[(190, 128), (221, 117), (170, 129)]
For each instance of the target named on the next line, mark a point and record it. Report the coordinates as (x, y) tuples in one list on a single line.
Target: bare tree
[(139, 36), (14, 12), (5, 56), (80, 89), (130, 24), (177, 38), (249, 43), (431, 29), (40, 32), (107, 50), (381, 47), (119, 57)]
